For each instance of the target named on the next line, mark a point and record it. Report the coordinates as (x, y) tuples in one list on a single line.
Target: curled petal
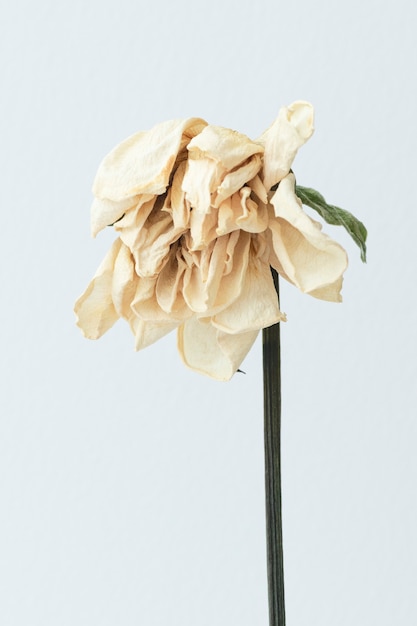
[(147, 332), (94, 310), (106, 212), (124, 283), (180, 207), (306, 257), (224, 146), (143, 163), (169, 286), (257, 305), (237, 178), (150, 237), (292, 128), (131, 224), (145, 305), (240, 211), (214, 280), (209, 351), (258, 189), (213, 155)]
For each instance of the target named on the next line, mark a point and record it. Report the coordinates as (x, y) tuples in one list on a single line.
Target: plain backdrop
[(132, 489)]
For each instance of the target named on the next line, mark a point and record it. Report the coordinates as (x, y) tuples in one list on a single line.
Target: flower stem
[(272, 425)]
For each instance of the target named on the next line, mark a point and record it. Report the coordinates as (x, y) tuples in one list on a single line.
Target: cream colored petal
[(124, 283), (95, 310), (169, 286), (150, 236), (143, 162), (106, 213), (258, 188), (309, 258), (254, 217), (180, 207), (235, 180), (215, 278), (213, 154), (208, 351), (147, 332), (241, 212), (224, 146), (203, 228), (292, 128), (201, 282), (202, 178), (257, 305), (145, 305), (131, 225)]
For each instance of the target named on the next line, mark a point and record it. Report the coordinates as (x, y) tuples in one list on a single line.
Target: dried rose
[(203, 213)]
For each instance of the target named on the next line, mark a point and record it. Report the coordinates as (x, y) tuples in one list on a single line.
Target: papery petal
[(202, 178), (130, 225), (144, 303), (215, 152), (241, 212), (143, 162), (124, 282), (292, 128), (233, 181), (258, 189), (148, 332), (169, 286), (215, 279), (309, 258), (150, 237), (224, 146), (257, 305), (106, 212), (180, 207), (209, 351), (95, 310)]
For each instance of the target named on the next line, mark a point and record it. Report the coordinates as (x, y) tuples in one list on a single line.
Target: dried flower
[(202, 213)]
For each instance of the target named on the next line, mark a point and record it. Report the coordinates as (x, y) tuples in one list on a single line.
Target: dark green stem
[(272, 421)]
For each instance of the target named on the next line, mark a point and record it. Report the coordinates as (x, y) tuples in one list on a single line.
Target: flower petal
[(292, 128), (95, 310), (147, 332), (240, 211), (214, 280), (224, 146), (213, 154), (143, 162), (309, 259), (208, 351), (236, 179), (106, 212), (257, 305)]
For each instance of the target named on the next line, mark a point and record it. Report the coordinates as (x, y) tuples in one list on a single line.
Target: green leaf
[(334, 215)]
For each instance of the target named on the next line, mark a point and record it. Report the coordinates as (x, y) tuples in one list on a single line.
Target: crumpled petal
[(292, 128), (240, 211), (257, 305), (148, 332), (106, 212), (220, 161), (236, 179), (143, 162), (209, 351), (214, 279), (94, 310), (306, 256)]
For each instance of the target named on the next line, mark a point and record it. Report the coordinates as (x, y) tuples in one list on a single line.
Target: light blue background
[(131, 489)]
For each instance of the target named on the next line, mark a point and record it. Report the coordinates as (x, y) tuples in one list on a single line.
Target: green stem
[(272, 425)]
